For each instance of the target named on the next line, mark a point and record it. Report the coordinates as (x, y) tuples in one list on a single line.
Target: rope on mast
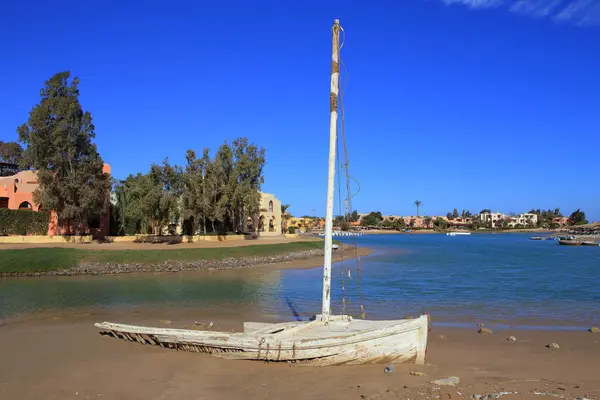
[(348, 201)]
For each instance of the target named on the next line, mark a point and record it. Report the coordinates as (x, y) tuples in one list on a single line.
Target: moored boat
[(536, 238), (569, 242), (458, 233), (590, 244)]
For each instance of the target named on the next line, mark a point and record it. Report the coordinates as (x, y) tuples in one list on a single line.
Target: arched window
[(271, 206), (25, 206)]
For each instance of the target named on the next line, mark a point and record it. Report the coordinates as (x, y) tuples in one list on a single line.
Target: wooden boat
[(327, 339), (590, 244), (343, 341), (569, 242)]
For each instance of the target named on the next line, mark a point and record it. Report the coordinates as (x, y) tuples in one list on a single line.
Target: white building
[(495, 219), (527, 220)]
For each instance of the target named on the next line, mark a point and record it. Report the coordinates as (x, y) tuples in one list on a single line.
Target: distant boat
[(567, 237), (458, 233), (569, 242), (590, 244), (536, 238)]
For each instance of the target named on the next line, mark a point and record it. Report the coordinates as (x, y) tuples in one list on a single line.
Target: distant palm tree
[(285, 217), (418, 204)]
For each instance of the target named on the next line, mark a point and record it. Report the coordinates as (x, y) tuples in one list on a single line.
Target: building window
[(271, 206), (25, 206), (3, 202)]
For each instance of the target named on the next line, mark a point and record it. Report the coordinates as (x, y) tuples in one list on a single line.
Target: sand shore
[(64, 357)]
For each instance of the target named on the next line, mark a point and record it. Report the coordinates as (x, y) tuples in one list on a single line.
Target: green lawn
[(55, 258)]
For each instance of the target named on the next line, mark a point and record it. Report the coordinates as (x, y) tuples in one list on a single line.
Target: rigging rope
[(348, 201)]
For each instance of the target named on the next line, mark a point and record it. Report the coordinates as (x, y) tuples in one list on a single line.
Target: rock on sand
[(451, 381)]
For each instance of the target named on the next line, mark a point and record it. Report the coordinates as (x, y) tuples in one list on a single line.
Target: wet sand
[(64, 357)]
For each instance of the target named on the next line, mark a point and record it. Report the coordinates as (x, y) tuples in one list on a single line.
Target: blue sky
[(458, 103)]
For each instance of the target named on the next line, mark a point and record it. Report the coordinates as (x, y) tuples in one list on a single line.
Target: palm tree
[(418, 204), (285, 217)]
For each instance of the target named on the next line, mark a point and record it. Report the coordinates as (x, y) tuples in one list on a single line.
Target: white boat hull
[(342, 341), (458, 233)]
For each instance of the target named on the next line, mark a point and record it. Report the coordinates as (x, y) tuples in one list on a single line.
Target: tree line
[(219, 194), (545, 219), (208, 194)]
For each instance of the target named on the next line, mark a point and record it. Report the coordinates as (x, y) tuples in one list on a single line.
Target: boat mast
[(333, 105)]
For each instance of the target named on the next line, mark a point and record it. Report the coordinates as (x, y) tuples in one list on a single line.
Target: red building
[(16, 193)]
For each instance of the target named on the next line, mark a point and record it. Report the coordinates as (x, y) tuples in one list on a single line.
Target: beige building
[(269, 222)]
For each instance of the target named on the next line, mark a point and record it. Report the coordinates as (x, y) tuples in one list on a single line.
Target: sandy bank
[(66, 358)]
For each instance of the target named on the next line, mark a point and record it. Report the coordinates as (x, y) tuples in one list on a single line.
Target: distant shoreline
[(431, 231)]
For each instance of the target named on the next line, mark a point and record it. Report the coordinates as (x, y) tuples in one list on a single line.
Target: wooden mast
[(333, 105)]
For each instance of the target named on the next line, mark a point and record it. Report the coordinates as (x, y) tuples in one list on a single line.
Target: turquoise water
[(492, 278)]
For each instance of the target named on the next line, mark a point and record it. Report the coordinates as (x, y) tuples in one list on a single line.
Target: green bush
[(23, 222), (291, 229)]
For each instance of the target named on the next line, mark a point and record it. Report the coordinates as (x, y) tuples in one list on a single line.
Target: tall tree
[(418, 204), (455, 213), (194, 204), (58, 135), (11, 152), (246, 183), (161, 202), (577, 218)]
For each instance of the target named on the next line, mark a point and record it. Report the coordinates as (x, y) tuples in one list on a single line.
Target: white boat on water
[(326, 339), (458, 233)]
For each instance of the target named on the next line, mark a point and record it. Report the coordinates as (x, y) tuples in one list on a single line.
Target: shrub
[(291, 229), (23, 222)]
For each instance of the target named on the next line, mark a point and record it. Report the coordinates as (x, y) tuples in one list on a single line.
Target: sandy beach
[(64, 357)]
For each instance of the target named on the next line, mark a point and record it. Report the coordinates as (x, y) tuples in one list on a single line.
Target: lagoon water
[(499, 279)]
